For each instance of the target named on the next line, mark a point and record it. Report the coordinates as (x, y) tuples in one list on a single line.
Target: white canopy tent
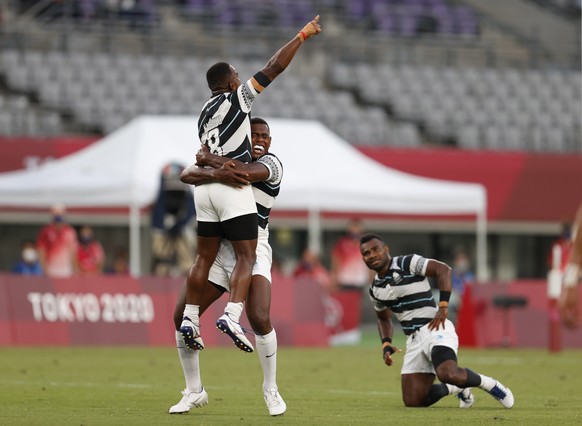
[(323, 173)]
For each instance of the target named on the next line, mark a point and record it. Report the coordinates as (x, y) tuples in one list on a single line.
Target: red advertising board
[(41, 311)]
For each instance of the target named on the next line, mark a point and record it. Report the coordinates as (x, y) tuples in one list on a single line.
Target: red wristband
[(302, 35)]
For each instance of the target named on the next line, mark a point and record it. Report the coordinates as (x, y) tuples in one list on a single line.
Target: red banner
[(509, 187), (125, 311)]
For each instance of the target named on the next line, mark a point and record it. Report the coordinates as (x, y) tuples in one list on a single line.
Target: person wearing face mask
[(90, 254), (57, 245), (28, 263), (349, 277), (311, 268)]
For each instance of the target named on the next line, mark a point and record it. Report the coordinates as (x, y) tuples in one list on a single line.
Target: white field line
[(147, 386)]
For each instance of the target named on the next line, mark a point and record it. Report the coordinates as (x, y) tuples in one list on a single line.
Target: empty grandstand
[(413, 73)]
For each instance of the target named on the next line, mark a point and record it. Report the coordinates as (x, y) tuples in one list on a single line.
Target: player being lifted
[(223, 211)]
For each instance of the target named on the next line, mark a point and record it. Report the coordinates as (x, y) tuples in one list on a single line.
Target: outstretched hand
[(311, 29)]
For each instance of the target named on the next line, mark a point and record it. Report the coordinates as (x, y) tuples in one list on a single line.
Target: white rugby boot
[(235, 332), (275, 403), (189, 400)]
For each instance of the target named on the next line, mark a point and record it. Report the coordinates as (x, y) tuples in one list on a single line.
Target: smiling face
[(375, 255), (260, 139)]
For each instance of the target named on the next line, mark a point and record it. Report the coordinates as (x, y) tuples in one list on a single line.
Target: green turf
[(339, 386)]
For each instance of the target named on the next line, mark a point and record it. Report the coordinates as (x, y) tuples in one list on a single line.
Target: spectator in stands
[(569, 303), (348, 270), (28, 263), (349, 276), (461, 276), (311, 268), (558, 257), (561, 249), (173, 216), (119, 264), (90, 254), (57, 245)]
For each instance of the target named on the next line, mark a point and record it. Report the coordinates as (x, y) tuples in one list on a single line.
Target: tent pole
[(134, 241), (482, 273), (314, 231)]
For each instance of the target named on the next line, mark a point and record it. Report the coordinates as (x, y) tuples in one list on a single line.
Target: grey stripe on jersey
[(406, 291)]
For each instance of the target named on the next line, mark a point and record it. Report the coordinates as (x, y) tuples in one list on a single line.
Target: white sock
[(487, 382), (191, 311), (234, 310), (267, 350), (453, 390), (190, 364)]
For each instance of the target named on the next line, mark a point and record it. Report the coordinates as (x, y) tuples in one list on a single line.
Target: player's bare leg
[(240, 280), (196, 280), (258, 313), (194, 394), (448, 371), (415, 388)]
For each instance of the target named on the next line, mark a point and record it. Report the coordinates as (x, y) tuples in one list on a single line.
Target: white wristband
[(571, 275)]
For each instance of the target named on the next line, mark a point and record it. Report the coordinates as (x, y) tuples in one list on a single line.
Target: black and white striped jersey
[(224, 123), (266, 191), (406, 291)]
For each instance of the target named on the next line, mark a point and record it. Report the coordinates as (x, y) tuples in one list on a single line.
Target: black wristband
[(387, 348), (386, 339), (262, 79), (444, 296)]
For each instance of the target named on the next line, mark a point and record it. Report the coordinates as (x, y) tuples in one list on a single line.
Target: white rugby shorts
[(419, 345), (224, 263), (216, 202)]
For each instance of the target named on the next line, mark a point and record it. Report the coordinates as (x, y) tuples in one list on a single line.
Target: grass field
[(339, 386)]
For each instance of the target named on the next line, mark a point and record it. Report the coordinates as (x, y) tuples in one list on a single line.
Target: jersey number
[(212, 140)]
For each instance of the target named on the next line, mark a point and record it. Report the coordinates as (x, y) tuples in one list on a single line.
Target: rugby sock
[(453, 390), (190, 364), (475, 380), (487, 383), (267, 350), (234, 310), (191, 311), (435, 393)]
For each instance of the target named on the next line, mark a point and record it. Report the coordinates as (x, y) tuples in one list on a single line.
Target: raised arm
[(281, 60)]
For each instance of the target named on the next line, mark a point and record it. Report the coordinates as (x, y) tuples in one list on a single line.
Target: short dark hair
[(369, 236), (218, 75), (259, 120)]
